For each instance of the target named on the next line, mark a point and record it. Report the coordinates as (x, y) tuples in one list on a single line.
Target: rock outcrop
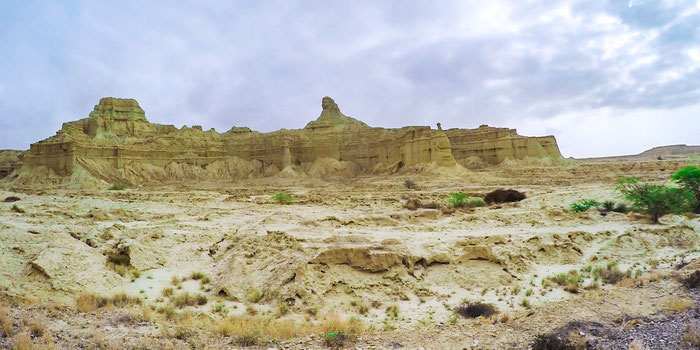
[(490, 146), (116, 143), (9, 159)]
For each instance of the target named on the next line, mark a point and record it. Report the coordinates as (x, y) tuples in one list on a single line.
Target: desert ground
[(346, 264)]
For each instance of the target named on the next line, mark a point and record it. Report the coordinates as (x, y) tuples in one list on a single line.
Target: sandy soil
[(347, 248)]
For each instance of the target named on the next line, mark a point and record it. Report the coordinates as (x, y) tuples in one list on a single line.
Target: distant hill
[(670, 151)]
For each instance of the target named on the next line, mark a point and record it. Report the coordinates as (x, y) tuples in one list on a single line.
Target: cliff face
[(9, 159), (490, 146), (116, 143)]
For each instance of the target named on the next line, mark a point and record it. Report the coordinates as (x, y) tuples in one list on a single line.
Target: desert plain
[(302, 259)]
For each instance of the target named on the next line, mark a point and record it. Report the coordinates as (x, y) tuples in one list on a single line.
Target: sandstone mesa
[(116, 143)]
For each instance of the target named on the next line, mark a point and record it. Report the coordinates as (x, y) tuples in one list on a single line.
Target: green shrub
[(118, 187), (656, 200), (219, 308), (255, 296), (282, 198), (608, 205), (583, 205), (17, 209), (461, 200), (620, 208), (689, 179)]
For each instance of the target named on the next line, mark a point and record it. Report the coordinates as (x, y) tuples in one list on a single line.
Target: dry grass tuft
[(675, 304), (22, 341), (5, 323), (692, 336), (86, 302), (637, 345)]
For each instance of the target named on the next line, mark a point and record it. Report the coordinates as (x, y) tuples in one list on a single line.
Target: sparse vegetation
[(87, 302), (552, 342), (504, 196), (475, 309), (409, 184), (198, 275), (392, 311), (17, 209), (611, 274), (249, 330), (187, 299), (255, 296), (689, 179), (692, 336), (656, 200), (583, 205), (675, 304), (461, 200), (22, 341), (118, 187), (282, 198), (219, 308), (5, 323), (692, 281)]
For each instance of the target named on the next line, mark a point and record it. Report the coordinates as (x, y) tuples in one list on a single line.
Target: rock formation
[(9, 159), (116, 143)]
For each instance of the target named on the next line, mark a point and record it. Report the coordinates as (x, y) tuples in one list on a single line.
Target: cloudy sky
[(604, 77)]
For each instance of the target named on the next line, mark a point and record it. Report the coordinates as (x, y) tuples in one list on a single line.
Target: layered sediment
[(116, 143)]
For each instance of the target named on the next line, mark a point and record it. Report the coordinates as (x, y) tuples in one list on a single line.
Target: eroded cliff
[(116, 143)]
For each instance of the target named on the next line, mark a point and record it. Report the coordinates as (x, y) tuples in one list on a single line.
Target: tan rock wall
[(117, 141)]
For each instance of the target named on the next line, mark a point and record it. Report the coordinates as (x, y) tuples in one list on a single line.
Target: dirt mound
[(504, 196)]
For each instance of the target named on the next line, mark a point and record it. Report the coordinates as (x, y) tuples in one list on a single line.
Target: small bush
[(185, 299), (5, 323), (219, 308), (461, 200), (17, 209), (504, 196), (124, 300), (86, 302), (656, 200), (197, 275), (168, 311), (282, 198), (621, 208), (611, 274), (392, 311), (552, 342), (22, 341), (409, 184), (201, 299), (255, 296), (335, 339), (167, 292), (608, 205), (692, 336), (693, 281), (118, 187), (570, 281), (583, 205), (475, 309), (675, 304)]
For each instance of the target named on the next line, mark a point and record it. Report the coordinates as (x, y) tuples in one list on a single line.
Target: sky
[(604, 77)]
